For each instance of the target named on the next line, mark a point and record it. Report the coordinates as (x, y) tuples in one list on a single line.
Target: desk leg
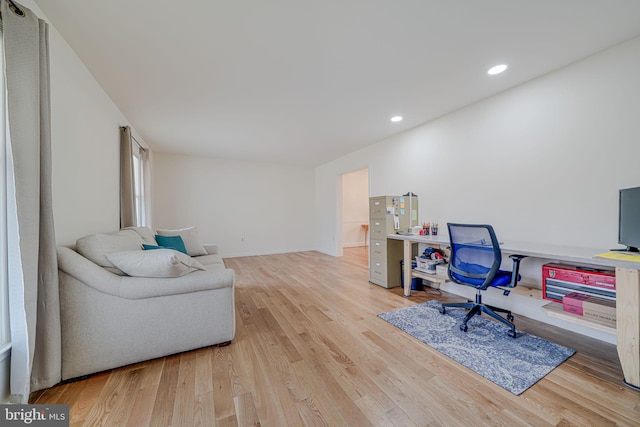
[(628, 324), (407, 268)]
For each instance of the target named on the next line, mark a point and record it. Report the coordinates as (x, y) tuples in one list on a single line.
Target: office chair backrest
[(475, 254)]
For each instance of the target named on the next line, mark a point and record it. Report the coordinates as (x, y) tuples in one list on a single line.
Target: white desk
[(627, 288)]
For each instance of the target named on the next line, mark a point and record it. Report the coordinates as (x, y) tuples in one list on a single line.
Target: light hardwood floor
[(309, 350)]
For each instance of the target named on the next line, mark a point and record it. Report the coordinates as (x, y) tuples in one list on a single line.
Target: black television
[(629, 219)]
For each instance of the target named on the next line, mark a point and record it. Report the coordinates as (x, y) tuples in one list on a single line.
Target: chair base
[(478, 308)]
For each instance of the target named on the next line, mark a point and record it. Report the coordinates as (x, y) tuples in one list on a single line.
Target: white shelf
[(528, 290), (430, 277), (555, 310)]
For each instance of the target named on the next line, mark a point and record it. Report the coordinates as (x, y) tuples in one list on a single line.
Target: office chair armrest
[(515, 272)]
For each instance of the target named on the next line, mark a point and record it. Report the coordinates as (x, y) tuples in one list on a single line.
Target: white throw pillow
[(154, 263), (190, 239), (95, 247)]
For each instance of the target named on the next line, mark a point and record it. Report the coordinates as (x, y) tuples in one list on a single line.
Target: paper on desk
[(620, 256)]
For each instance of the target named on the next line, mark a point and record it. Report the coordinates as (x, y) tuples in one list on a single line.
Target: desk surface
[(572, 254)]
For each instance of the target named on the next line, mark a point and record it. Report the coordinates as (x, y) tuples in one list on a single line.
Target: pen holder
[(434, 231)]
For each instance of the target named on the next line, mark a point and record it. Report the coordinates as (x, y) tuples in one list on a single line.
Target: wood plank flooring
[(309, 350)]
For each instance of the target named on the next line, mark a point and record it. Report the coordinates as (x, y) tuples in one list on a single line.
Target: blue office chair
[(475, 261)]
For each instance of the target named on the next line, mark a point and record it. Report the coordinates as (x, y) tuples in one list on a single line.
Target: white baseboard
[(352, 245)]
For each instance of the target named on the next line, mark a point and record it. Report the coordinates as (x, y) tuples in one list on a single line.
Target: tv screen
[(629, 218)]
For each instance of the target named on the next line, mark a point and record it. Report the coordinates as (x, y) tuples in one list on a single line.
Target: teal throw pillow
[(171, 242), (150, 247)]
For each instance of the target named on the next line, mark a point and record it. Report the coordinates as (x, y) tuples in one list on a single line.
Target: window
[(135, 181), (138, 184), (139, 155)]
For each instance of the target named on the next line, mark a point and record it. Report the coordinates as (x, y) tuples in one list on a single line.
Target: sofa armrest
[(88, 272), (211, 248)]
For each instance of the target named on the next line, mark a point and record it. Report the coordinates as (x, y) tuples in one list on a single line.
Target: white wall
[(355, 207), (542, 162), (85, 145), (247, 208)]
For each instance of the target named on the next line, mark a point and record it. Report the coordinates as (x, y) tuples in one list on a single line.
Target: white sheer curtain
[(135, 181), (147, 161), (34, 307)]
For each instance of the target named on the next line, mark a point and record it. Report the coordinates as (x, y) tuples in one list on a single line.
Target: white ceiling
[(304, 82)]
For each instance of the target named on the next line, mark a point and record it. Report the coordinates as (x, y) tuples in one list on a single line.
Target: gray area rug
[(514, 364)]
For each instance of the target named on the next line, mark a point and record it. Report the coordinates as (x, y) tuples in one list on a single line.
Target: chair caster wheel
[(464, 328), (512, 334), (442, 310), (510, 317)]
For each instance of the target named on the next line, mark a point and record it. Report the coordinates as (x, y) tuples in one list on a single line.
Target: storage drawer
[(378, 270), (377, 224), (377, 229), (378, 248), (377, 207)]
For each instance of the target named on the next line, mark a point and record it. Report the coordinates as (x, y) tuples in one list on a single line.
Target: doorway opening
[(355, 209)]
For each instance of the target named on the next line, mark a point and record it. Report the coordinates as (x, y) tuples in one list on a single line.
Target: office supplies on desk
[(426, 229)]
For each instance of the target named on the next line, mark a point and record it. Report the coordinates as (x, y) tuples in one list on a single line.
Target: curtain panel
[(127, 195), (128, 209), (34, 307)]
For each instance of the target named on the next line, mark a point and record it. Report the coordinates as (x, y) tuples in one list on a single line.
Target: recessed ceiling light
[(496, 69), (396, 118)]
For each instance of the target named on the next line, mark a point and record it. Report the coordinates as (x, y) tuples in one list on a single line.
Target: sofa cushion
[(157, 263), (171, 242), (214, 259), (147, 234), (189, 237), (95, 247)]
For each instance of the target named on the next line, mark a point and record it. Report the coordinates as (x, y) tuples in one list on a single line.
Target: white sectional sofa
[(111, 319)]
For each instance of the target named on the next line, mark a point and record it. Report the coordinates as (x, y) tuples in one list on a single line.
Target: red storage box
[(559, 280)]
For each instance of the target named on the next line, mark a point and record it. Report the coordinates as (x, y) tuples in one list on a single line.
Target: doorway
[(355, 209)]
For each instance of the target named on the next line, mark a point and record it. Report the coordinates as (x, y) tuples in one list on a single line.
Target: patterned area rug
[(514, 364)]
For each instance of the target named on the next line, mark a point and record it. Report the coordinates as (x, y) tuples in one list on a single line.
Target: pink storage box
[(572, 303)]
